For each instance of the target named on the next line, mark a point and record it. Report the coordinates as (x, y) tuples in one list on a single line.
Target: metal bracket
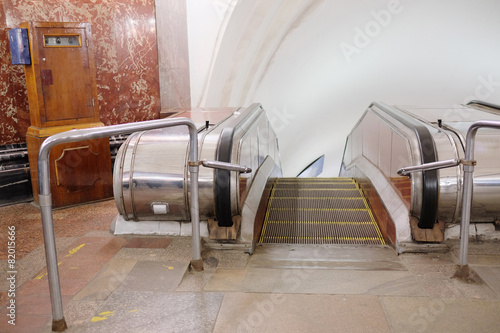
[(45, 200), (468, 162)]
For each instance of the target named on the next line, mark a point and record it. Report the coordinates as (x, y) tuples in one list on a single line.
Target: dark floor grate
[(319, 211)]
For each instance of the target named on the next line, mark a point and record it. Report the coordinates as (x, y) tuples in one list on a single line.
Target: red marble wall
[(126, 56)]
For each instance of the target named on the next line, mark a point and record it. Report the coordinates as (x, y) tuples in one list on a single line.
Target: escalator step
[(319, 211)]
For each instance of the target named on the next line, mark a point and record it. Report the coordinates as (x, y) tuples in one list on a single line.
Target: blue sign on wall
[(19, 46)]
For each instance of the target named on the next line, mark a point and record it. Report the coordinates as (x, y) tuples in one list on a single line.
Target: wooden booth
[(62, 94)]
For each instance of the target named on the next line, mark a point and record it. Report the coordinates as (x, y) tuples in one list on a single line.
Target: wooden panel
[(77, 169), (71, 185), (384, 220), (61, 81)]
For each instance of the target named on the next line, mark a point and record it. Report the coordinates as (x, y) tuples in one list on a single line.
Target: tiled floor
[(143, 284)]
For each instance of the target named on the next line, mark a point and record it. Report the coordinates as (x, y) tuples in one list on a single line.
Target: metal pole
[(469, 163), (196, 262), (58, 321)]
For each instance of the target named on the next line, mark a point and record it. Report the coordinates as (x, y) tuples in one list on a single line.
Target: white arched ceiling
[(315, 65)]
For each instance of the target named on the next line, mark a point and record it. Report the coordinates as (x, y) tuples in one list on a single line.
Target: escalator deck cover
[(319, 211)]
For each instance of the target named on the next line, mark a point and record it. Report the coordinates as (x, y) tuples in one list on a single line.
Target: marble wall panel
[(173, 53), (124, 35), (14, 116)]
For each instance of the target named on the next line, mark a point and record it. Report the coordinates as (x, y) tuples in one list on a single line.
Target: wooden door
[(65, 74)]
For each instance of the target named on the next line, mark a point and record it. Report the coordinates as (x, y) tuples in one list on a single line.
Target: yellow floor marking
[(70, 253), (105, 315), (133, 310), (169, 267), (73, 251), (41, 275)]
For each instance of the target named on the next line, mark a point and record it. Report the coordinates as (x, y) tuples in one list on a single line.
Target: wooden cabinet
[(62, 94)]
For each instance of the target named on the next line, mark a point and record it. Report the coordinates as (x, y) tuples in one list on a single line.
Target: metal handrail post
[(429, 166), (45, 199), (469, 163)]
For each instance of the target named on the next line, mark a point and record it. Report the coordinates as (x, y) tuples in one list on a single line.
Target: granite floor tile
[(107, 280), (148, 243), (141, 254), (491, 276), (227, 280), (77, 312), (425, 314), (151, 312), (228, 258), (318, 281), (27, 323), (256, 312), (155, 276)]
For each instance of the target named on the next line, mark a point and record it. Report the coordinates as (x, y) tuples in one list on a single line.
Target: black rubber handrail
[(222, 178), (430, 179)]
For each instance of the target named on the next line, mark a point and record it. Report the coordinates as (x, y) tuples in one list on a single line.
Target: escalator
[(369, 204), (319, 211)]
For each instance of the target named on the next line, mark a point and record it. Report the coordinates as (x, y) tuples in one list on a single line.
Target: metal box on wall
[(19, 46)]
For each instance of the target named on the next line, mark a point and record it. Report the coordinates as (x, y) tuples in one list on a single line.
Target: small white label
[(160, 208)]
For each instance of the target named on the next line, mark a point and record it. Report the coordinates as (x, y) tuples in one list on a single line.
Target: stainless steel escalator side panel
[(486, 183), (150, 180), (455, 123), (253, 140), (120, 177), (447, 146), (251, 148), (389, 146), (152, 169)]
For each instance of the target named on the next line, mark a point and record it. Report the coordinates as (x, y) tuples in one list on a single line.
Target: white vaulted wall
[(315, 65)]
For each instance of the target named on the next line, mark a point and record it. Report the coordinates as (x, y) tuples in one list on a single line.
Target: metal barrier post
[(58, 321), (468, 162)]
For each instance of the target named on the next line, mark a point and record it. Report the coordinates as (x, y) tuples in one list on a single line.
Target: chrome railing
[(468, 167), (463, 270), (429, 166), (226, 166), (45, 199)]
